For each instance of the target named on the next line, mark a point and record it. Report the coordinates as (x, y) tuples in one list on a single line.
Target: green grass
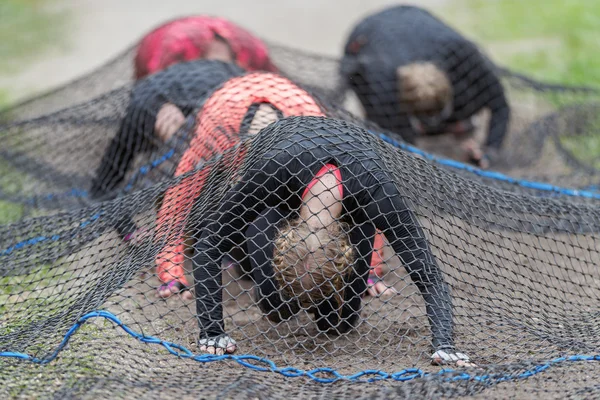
[(28, 29), (10, 212), (585, 146), (553, 40)]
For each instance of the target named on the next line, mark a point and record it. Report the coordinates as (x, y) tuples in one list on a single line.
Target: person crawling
[(192, 38), (307, 204), (148, 120), (241, 107), (200, 37), (416, 76), (170, 81)]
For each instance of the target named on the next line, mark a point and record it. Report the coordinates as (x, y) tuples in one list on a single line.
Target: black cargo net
[(147, 227)]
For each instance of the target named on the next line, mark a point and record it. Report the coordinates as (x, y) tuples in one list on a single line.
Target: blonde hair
[(325, 255), (424, 88)]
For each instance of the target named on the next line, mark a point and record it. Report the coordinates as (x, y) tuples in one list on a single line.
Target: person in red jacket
[(202, 36), (244, 105), (192, 38)]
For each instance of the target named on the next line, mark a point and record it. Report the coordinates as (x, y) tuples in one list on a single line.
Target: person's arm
[(488, 92), (260, 237), (132, 138), (328, 318), (241, 206), (500, 111), (384, 206), (178, 202)]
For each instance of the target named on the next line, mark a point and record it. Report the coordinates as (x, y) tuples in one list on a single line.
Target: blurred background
[(44, 43)]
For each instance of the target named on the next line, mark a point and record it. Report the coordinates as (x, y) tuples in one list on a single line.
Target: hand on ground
[(138, 236), (379, 288), (219, 345), (442, 357), (475, 154)]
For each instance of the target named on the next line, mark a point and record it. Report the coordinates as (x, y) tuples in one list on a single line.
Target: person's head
[(200, 37), (425, 95), (219, 49), (310, 265)]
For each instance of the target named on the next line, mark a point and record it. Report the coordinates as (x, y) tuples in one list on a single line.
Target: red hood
[(187, 39)]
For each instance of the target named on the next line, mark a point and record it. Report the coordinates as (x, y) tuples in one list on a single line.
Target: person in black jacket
[(415, 75), (158, 107), (306, 206)]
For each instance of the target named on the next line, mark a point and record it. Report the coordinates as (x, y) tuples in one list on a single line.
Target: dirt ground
[(518, 296)]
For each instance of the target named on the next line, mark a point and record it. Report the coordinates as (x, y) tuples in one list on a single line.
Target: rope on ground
[(247, 360)]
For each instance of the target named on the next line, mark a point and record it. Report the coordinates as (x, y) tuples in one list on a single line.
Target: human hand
[(174, 287), (377, 288), (474, 154), (442, 357), (168, 121), (218, 345), (137, 237)]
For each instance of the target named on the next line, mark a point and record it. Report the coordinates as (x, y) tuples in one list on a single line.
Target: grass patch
[(10, 212), (553, 40), (585, 146), (29, 27), (74, 364), (550, 40)]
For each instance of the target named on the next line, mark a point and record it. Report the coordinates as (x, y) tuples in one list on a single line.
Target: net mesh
[(502, 270)]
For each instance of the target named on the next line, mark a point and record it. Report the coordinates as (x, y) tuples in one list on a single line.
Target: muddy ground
[(518, 297)]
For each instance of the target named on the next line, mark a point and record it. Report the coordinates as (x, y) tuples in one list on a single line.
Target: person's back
[(414, 75), (200, 37), (422, 35)]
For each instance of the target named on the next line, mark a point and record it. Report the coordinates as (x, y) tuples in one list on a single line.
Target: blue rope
[(38, 239), (148, 167), (490, 174), (588, 192), (265, 365)]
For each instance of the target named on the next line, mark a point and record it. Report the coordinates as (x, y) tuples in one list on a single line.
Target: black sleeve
[(500, 111), (384, 206), (260, 237), (487, 90), (241, 206), (134, 136), (476, 86)]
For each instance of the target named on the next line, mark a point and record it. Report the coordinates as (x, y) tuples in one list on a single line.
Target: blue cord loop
[(588, 192), (321, 375)]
